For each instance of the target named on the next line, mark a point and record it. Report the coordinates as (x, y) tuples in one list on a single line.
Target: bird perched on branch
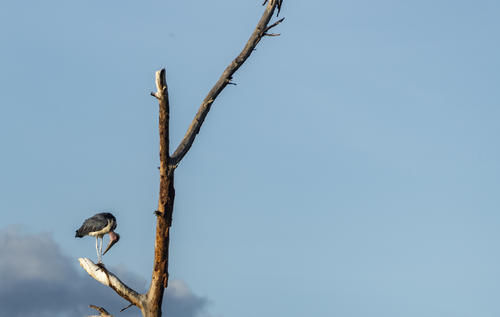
[(97, 226)]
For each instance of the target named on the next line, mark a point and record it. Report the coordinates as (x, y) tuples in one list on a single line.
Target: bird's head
[(113, 238)]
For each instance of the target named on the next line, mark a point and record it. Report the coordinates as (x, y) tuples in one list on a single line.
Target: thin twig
[(123, 309), (274, 24)]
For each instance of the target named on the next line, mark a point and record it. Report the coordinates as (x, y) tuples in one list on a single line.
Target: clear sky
[(352, 172)]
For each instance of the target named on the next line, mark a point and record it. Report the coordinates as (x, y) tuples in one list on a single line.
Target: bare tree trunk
[(150, 303), (159, 279)]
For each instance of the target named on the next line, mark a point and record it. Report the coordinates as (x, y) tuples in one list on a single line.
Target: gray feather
[(96, 223)]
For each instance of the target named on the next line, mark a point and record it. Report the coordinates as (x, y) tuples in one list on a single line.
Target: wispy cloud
[(37, 279)]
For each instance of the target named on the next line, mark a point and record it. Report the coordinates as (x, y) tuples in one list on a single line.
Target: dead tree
[(150, 302)]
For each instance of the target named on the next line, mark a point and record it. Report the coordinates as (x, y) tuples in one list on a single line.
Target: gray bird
[(97, 226)]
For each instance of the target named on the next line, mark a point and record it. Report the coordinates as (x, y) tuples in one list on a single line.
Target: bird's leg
[(100, 250), (97, 248)]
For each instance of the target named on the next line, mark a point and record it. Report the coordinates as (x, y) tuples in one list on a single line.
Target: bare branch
[(105, 277), (103, 312), (259, 32)]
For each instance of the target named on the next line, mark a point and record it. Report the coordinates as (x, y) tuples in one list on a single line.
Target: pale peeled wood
[(105, 277)]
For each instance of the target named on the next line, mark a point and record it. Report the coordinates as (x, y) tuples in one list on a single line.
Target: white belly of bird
[(103, 231)]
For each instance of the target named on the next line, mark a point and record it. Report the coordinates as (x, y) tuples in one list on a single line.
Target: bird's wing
[(92, 224)]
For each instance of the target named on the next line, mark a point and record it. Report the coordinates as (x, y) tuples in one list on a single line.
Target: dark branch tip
[(279, 7), (123, 309)]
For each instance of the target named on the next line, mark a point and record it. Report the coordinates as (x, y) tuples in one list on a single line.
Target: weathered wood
[(105, 277)]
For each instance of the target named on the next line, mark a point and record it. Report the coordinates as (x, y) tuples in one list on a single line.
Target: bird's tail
[(78, 234)]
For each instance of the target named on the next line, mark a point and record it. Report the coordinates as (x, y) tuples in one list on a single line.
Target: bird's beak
[(113, 238)]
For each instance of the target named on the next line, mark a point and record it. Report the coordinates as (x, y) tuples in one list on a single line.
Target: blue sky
[(353, 170)]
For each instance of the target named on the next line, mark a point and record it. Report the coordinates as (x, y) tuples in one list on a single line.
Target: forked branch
[(260, 31)]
